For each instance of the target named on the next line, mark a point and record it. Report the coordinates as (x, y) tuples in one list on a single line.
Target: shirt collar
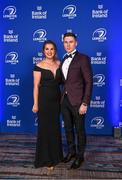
[(72, 52)]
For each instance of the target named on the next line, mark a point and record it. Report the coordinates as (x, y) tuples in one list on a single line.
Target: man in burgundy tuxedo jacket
[(77, 90)]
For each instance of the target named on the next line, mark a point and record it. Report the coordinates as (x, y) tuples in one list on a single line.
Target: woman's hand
[(35, 109)]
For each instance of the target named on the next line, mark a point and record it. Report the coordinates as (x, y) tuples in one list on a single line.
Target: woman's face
[(49, 51)]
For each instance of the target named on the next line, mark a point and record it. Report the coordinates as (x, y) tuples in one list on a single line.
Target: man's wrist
[(84, 104)]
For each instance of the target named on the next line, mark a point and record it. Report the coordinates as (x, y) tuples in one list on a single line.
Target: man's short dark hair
[(70, 34)]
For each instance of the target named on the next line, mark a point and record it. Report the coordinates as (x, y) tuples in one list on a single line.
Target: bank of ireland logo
[(13, 100), (40, 35), (69, 12), (11, 37), (11, 57), (97, 122), (10, 12), (99, 80), (99, 35), (39, 14)]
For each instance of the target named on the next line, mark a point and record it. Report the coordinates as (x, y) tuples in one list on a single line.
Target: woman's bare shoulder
[(41, 64)]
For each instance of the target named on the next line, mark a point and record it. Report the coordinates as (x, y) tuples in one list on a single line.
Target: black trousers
[(74, 124)]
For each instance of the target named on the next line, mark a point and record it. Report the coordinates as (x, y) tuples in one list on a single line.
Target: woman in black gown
[(46, 94)]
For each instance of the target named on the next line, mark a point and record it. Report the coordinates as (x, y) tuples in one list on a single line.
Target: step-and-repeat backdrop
[(25, 25)]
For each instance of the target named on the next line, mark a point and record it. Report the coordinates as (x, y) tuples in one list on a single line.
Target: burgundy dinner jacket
[(79, 82)]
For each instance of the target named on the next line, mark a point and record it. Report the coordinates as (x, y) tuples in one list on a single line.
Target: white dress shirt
[(67, 63)]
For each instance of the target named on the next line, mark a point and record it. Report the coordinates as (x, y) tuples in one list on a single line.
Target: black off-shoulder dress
[(49, 145)]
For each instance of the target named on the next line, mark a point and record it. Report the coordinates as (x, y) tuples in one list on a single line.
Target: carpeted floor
[(103, 159)]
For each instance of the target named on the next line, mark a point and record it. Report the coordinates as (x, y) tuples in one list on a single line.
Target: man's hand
[(83, 109)]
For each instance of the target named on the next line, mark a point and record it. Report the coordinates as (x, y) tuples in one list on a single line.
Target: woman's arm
[(37, 78)]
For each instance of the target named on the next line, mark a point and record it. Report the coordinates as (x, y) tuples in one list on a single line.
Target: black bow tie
[(69, 55)]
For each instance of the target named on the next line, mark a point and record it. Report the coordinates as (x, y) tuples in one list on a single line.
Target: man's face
[(69, 44)]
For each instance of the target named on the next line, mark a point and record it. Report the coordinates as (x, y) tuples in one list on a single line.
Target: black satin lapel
[(73, 60)]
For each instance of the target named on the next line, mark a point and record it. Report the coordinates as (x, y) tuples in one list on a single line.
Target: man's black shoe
[(68, 157), (76, 163)]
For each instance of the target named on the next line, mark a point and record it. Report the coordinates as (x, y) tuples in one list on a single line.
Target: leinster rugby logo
[(99, 80), (69, 11), (99, 35), (13, 100), (12, 58), (10, 12), (40, 35), (97, 122)]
